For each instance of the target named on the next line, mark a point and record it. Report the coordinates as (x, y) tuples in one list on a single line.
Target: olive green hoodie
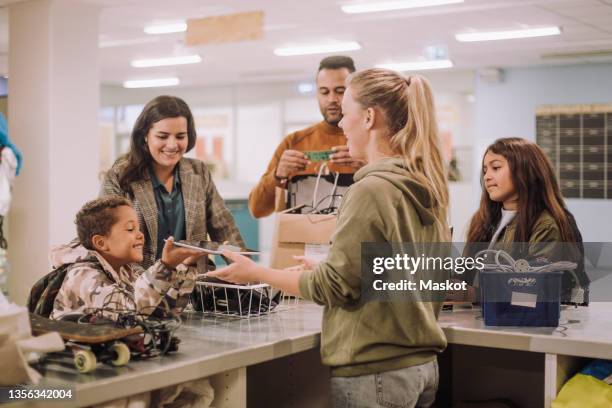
[(386, 204)]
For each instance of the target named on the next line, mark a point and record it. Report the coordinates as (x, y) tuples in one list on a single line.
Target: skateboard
[(89, 343)]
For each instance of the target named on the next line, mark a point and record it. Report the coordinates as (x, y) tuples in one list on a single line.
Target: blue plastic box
[(521, 298)]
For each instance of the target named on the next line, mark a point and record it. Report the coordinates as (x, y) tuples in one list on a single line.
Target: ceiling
[(392, 36)]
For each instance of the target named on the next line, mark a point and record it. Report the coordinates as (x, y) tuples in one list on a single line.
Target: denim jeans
[(407, 387)]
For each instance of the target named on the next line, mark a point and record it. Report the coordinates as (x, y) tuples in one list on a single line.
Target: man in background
[(289, 160)]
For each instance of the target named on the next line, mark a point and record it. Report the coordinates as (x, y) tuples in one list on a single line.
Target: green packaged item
[(319, 155)]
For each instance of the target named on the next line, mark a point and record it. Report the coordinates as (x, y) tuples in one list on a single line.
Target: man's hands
[(291, 162), (173, 255), (342, 157)]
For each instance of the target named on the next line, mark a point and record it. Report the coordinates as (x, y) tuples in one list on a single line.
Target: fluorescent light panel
[(317, 49), (132, 41), (417, 65), (306, 87), (508, 35), (151, 83), (160, 62), (394, 5), (166, 28)]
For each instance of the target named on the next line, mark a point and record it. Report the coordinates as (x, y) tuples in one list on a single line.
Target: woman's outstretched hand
[(241, 270), (306, 263)]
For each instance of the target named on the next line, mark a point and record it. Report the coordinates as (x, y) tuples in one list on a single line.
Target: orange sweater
[(321, 136)]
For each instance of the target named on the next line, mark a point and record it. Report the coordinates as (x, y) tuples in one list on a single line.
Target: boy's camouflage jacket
[(91, 282)]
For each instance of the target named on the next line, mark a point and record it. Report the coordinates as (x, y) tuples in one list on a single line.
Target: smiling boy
[(104, 270)]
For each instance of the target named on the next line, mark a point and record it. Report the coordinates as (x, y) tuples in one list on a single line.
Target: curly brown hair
[(97, 217)]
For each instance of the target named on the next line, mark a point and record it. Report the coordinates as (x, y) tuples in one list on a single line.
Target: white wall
[(211, 96), (508, 109), (259, 130), (52, 118), (455, 116)]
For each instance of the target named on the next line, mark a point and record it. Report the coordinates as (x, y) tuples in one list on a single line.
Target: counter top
[(214, 345), (583, 332), (208, 346)]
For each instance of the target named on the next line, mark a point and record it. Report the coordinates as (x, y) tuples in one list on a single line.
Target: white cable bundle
[(315, 203), (521, 265)]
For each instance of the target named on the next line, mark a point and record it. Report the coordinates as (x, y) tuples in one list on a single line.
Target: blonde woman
[(380, 353)]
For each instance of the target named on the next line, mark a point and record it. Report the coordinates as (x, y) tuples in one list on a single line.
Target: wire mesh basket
[(245, 301)]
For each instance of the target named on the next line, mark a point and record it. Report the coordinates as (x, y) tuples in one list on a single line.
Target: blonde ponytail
[(418, 140), (407, 104)]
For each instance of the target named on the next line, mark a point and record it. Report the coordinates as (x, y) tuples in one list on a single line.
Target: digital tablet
[(215, 248)]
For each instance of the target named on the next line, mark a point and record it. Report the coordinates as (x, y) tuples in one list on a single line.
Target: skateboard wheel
[(85, 361), (123, 354)]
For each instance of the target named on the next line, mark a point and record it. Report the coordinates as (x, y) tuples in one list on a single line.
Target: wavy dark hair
[(537, 188), (139, 158)]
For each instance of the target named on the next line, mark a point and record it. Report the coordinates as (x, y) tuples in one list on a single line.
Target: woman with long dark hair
[(173, 195), (522, 209)]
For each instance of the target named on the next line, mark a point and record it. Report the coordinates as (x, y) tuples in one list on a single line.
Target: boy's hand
[(193, 260), (173, 255)]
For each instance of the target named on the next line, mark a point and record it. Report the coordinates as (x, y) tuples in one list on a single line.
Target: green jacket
[(545, 229), (386, 204), (545, 242)]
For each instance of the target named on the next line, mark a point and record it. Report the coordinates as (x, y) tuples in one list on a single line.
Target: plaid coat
[(205, 211)]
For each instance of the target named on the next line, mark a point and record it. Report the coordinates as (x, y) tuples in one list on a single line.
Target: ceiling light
[(132, 41), (160, 62), (151, 83), (166, 28), (418, 65), (317, 49), (394, 5), (508, 35), (306, 87)]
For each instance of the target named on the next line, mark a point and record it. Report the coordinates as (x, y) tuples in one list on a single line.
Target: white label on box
[(316, 252), (524, 299)]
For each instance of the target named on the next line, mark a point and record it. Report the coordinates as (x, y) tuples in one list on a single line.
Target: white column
[(53, 104)]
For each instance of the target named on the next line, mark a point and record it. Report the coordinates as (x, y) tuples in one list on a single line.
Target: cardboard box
[(301, 234), (225, 28)]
